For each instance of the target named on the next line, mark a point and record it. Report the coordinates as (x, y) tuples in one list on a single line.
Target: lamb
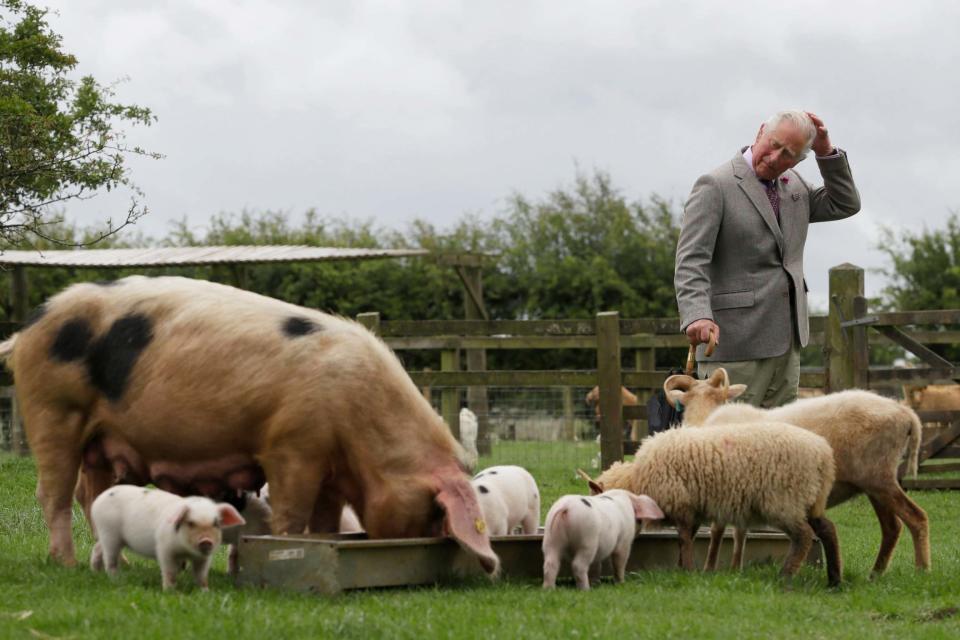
[(867, 433), (159, 525), (509, 498), (199, 378), (770, 473), (587, 531)]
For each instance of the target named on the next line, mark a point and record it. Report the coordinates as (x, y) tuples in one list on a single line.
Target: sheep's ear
[(229, 516), (595, 488), (719, 378), (677, 382), (644, 508), (735, 391), (675, 397)]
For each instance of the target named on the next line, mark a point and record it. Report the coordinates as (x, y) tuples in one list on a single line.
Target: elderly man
[(739, 272)]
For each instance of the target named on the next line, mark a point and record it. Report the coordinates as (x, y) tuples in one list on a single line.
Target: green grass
[(41, 600)]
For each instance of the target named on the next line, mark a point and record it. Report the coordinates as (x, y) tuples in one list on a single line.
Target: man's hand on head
[(821, 143)]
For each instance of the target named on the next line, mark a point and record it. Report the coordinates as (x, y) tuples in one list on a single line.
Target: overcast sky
[(400, 110)]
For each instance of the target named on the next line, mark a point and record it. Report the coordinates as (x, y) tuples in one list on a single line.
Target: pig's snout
[(205, 546)]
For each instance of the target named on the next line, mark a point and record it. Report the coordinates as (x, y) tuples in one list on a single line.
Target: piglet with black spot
[(509, 498), (159, 525), (588, 530)]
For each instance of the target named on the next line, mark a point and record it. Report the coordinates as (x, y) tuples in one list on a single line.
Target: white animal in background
[(588, 530), (509, 498), (159, 525), (256, 512), (468, 435)]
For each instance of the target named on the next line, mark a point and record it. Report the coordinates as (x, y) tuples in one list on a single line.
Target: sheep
[(196, 375), (867, 433), (509, 498), (769, 473), (627, 399)]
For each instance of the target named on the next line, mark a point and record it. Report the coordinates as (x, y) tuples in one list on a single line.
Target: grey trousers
[(771, 382)]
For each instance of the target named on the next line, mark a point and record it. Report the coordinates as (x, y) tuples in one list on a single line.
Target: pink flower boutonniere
[(784, 179)]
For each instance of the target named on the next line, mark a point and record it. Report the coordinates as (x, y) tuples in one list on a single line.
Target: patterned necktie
[(773, 195)]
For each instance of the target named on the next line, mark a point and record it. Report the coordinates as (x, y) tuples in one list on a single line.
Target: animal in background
[(587, 530), (509, 498), (161, 525)]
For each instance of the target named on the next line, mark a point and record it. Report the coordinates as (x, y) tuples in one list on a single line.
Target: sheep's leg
[(801, 539), (739, 542), (916, 520), (890, 528), (827, 533), (686, 533), (713, 551)]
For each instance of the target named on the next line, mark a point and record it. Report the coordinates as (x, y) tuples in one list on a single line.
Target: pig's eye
[(190, 524)]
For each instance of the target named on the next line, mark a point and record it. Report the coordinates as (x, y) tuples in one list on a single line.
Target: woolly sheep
[(770, 473), (468, 436), (587, 531), (509, 498), (868, 434)]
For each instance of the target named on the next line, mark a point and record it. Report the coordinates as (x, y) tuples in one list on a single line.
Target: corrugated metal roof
[(194, 256)]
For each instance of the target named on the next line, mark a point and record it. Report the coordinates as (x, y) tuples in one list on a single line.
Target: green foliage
[(59, 137), (925, 272)]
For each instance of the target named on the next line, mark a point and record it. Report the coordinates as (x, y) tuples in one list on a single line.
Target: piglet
[(588, 530), (256, 513), (159, 525), (509, 498)]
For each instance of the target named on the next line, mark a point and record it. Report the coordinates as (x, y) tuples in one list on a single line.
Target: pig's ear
[(644, 508), (178, 518), (464, 520), (229, 516)]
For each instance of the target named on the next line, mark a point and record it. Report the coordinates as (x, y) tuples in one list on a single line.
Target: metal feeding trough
[(330, 564)]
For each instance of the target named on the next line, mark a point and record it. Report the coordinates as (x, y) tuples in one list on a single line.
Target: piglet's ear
[(179, 517), (229, 516), (464, 520), (644, 508)]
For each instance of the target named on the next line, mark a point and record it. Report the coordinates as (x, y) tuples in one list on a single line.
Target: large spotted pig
[(202, 383)]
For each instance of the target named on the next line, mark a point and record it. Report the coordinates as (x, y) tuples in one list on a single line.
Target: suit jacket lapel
[(754, 190)]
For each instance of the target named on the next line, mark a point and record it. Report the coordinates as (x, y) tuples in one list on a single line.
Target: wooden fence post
[(845, 347), (608, 378), (450, 396), (477, 398), (370, 320), (645, 360)]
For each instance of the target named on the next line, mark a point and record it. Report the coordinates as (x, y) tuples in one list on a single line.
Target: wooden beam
[(934, 445), (931, 483), (609, 381), (924, 353)]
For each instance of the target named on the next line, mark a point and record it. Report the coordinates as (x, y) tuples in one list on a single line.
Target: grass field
[(43, 600)]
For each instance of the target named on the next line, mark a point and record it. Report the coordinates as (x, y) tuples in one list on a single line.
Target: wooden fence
[(844, 335)]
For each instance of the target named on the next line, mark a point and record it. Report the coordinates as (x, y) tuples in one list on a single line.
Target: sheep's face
[(698, 398)]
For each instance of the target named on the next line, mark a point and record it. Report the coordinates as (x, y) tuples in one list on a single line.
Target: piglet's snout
[(206, 546)]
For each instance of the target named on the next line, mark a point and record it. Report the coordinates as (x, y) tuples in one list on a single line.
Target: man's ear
[(759, 133)]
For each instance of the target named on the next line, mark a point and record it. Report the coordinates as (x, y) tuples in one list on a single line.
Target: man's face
[(777, 150)]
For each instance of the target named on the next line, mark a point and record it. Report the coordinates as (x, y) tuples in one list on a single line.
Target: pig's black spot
[(72, 341), (483, 489), (38, 312), (112, 493), (606, 498), (493, 473), (295, 327), (586, 502), (114, 354)]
